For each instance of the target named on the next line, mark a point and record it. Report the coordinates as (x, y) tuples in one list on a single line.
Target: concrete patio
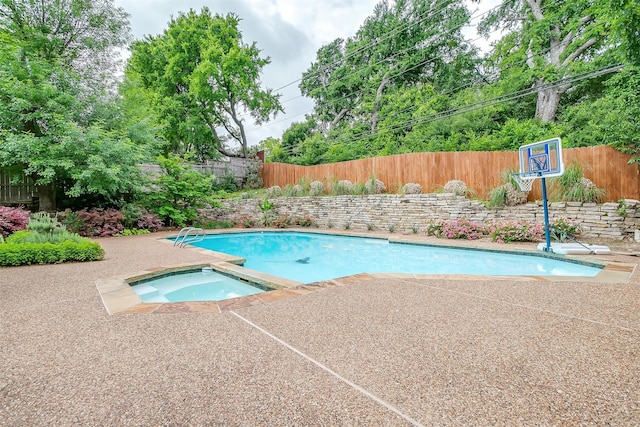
[(369, 350)]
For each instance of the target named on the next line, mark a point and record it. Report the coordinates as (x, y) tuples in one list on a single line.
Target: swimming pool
[(192, 285), (313, 257)]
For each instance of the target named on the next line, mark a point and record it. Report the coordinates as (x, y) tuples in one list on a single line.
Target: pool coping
[(118, 297)]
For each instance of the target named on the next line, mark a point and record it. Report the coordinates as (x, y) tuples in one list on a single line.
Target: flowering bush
[(462, 229), (98, 222), (455, 229), (149, 221), (516, 231), (12, 220)]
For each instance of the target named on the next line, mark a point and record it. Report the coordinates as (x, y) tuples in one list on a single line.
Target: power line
[(385, 36), (372, 44), (450, 113), (474, 106), (489, 102), (371, 66)]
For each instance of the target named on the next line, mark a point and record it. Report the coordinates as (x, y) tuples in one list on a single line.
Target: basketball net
[(525, 182)]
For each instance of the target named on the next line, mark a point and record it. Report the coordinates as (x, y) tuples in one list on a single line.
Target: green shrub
[(13, 254), (359, 189), (584, 191), (245, 221), (434, 228), (498, 197), (305, 185), (213, 224), (305, 221), (268, 212), (574, 187), (43, 223), (133, 232), (253, 179), (562, 228), (27, 236), (316, 188), (72, 221), (227, 181), (293, 191), (282, 221), (342, 188), (131, 214), (508, 193), (177, 193), (622, 207), (47, 241)]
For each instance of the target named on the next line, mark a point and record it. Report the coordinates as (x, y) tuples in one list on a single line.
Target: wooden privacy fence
[(15, 193), (606, 167), (233, 165)]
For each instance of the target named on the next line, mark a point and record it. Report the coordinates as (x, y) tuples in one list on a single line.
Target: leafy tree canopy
[(57, 123), (550, 43), (405, 43), (204, 80)]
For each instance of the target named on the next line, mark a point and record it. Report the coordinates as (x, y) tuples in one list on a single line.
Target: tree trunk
[(243, 137), (547, 104), (47, 196), (338, 117), (376, 105)]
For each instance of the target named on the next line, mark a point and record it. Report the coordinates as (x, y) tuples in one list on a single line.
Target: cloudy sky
[(290, 32)]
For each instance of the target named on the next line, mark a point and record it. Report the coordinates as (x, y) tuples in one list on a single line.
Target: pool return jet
[(543, 160)]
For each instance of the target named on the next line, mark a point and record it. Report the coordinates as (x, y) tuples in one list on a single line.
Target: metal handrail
[(189, 235)]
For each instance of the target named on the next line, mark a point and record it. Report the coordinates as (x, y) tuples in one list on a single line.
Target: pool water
[(312, 257), (192, 286)]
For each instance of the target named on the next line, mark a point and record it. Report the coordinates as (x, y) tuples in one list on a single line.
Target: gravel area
[(372, 352)]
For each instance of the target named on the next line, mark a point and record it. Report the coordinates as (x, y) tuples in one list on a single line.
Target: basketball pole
[(547, 235)]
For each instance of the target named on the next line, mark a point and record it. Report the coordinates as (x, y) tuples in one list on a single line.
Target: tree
[(554, 39), (205, 80), (330, 84), (625, 16), (295, 135), (51, 53), (610, 119), (80, 35), (38, 132), (401, 44)]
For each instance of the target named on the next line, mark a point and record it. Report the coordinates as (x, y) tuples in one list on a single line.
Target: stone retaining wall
[(413, 212)]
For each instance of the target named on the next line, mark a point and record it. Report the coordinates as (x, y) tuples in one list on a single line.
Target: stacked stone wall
[(413, 212)]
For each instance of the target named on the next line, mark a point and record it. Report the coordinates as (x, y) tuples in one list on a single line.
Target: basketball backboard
[(542, 159)]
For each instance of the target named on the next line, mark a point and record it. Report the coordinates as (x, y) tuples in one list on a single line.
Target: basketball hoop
[(542, 159), (524, 181)]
